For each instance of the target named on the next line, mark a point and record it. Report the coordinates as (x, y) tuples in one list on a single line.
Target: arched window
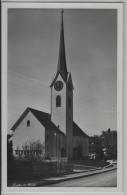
[(58, 101), (28, 123)]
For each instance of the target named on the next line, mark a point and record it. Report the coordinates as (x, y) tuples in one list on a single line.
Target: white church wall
[(50, 143), (24, 134), (54, 143), (58, 114)]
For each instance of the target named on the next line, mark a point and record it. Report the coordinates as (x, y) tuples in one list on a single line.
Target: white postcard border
[(120, 72)]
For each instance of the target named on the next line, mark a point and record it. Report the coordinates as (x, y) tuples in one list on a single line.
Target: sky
[(91, 55)]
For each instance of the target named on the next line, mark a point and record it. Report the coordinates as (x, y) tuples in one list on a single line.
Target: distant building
[(103, 146), (56, 134), (109, 143)]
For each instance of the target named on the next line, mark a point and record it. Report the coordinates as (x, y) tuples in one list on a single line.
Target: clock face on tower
[(58, 85)]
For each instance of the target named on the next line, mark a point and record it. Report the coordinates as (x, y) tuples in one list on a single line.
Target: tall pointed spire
[(62, 68)]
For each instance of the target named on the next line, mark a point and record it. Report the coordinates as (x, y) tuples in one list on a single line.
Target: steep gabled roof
[(20, 119), (55, 78), (43, 117)]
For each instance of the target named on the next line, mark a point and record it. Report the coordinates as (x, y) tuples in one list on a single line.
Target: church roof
[(77, 131), (45, 119)]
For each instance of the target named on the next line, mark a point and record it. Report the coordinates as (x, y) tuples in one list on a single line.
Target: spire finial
[(62, 11), (62, 58)]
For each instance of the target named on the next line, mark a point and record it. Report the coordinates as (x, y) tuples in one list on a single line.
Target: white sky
[(90, 41)]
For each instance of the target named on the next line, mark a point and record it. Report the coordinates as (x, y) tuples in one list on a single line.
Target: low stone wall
[(44, 168), (23, 169)]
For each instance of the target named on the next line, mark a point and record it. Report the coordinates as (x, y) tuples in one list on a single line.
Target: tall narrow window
[(28, 123), (58, 101)]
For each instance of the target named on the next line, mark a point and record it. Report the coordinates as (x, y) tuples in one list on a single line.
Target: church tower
[(62, 96)]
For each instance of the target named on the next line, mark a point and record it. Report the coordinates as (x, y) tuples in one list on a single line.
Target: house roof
[(45, 119)]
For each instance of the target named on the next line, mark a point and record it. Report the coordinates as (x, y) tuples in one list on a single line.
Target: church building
[(53, 134)]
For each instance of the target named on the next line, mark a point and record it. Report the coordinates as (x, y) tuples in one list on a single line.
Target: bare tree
[(34, 149)]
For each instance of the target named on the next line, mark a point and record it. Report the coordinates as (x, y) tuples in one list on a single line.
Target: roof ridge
[(38, 110), (80, 129), (45, 119)]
